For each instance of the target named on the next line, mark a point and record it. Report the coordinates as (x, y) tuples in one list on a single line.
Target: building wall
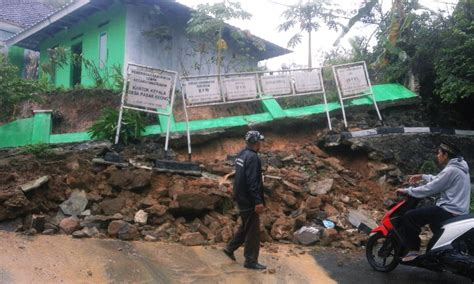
[(178, 54), (16, 56), (89, 30)]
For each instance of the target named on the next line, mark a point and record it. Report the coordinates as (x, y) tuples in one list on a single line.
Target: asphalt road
[(354, 268)]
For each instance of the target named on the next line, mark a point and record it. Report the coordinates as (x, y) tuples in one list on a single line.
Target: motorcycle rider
[(453, 185)]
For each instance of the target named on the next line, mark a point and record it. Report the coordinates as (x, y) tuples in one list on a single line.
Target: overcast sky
[(267, 16)]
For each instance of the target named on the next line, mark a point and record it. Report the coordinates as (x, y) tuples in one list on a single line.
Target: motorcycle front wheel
[(383, 253)]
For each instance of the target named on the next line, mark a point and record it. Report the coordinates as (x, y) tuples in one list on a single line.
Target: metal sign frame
[(342, 98), (169, 111), (259, 95)]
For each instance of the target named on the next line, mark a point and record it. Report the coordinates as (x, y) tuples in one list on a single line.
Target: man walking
[(248, 192)]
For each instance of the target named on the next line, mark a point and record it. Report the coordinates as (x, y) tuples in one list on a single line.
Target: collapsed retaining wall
[(408, 148), (387, 95)]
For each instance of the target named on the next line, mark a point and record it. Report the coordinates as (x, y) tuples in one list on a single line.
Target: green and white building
[(111, 33)]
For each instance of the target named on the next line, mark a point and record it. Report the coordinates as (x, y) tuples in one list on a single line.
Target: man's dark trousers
[(414, 219), (249, 232)]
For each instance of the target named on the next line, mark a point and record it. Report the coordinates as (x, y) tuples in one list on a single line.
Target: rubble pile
[(311, 197)]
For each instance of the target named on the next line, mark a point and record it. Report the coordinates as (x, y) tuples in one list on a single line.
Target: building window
[(102, 50)]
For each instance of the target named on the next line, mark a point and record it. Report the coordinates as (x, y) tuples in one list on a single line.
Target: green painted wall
[(42, 128), (90, 31), (17, 133), (16, 56)]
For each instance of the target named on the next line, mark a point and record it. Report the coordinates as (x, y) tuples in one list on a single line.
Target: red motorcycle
[(451, 249)]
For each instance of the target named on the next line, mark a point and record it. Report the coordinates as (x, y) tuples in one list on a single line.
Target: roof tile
[(25, 14)]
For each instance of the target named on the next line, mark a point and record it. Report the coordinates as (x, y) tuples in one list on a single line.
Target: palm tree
[(307, 16)]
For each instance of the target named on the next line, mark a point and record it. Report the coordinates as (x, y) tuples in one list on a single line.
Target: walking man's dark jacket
[(248, 183)]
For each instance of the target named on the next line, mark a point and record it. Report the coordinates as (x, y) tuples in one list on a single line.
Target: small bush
[(14, 90), (133, 125), (38, 150)]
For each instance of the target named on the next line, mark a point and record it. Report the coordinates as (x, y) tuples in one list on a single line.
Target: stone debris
[(76, 204), (307, 235), (192, 239), (311, 197), (141, 217), (321, 187), (361, 220), (69, 225), (34, 184)]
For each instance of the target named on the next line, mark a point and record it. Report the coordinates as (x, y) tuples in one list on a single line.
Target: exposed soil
[(60, 259), (209, 112), (74, 110)]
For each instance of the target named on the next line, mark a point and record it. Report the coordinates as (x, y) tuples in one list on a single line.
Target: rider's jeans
[(415, 219)]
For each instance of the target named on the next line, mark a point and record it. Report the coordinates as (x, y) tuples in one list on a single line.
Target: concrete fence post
[(271, 106), (42, 125)]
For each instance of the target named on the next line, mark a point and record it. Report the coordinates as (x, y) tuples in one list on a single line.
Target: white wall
[(176, 54)]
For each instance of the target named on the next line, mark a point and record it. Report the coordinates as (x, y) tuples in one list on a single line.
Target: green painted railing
[(37, 130)]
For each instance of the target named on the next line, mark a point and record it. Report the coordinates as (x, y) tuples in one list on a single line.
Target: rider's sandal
[(410, 256)]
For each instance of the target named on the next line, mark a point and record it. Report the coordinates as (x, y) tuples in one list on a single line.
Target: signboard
[(201, 90), (308, 81), (276, 85), (149, 88), (352, 80), (241, 87)]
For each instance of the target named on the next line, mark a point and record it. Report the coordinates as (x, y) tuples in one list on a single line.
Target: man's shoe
[(255, 266), (229, 254)]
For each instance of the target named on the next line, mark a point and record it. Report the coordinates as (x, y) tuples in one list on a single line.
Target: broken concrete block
[(76, 204), (361, 220), (321, 187), (141, 217), (307, 235), (34, 184)]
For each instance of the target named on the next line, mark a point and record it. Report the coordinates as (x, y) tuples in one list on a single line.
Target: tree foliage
[(307, 17), (13, 89), (436, 48), (208, 22), (454, 63)]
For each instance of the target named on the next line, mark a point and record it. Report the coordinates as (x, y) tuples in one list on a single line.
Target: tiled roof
[(25, 14)]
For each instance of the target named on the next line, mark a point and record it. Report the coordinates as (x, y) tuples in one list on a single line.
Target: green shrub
[(133, 124), (38, 150), (14, 90)]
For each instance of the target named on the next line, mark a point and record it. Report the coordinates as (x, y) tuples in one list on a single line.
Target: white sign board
[(201, 90), (276, 85), (308, 81), (241, 87), (149, 88), (352, 80)]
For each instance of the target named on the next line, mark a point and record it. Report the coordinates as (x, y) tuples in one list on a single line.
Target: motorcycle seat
[(458, 218)]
